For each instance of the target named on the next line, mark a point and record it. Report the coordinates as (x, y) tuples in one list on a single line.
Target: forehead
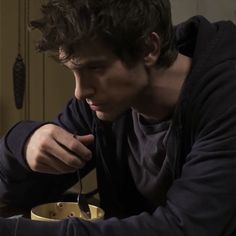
[(89, 52)]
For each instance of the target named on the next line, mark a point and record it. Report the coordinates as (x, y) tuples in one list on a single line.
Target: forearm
[(12, 145)]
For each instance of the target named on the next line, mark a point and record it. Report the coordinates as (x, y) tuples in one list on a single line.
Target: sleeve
[(18, 184)]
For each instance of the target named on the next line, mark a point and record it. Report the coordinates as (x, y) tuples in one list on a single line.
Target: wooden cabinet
[(48, 85), (8, 52)]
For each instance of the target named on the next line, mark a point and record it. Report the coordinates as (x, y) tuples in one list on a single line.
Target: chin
[(106, 116)]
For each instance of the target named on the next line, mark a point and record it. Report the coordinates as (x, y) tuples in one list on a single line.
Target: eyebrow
[(79, 66)]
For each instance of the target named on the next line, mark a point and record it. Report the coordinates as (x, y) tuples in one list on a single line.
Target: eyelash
[(93, 67)]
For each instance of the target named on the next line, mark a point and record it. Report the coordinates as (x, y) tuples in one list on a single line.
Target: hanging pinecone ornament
[(19, 78)]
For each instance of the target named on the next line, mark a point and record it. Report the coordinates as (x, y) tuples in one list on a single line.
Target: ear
[(152, 51)]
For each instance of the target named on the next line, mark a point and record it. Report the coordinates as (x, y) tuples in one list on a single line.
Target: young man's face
[(108, 86)]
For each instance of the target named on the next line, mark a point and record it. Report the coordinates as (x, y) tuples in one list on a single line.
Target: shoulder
[(209, 99)]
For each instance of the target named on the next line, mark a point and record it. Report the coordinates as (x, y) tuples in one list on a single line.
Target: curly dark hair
[(123, 25)]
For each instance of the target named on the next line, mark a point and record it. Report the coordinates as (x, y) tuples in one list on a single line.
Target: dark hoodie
[(173, 178)]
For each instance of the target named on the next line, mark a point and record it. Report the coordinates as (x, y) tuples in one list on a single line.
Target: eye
[(95, 67), (98, 69)]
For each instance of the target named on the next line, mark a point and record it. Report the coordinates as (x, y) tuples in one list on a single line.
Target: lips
[(91, 103), (94, 105)]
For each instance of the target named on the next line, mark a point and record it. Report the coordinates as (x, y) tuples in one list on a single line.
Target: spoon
[(82, 201)]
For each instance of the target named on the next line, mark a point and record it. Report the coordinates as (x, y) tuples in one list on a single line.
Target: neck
[(159, 98)]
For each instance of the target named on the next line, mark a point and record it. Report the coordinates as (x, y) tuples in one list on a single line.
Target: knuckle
[(74, 162), (44, 144), (53, 129), (73, 146), (49, 130)]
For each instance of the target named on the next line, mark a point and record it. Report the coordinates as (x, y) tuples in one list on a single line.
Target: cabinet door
[(48, 86)]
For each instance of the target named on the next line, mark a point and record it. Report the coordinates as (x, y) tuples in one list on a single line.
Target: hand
[(53, 150)]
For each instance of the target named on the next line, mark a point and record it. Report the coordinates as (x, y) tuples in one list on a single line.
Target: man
[(154, 112)]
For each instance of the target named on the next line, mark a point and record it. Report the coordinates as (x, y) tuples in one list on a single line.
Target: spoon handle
[(82, 201)]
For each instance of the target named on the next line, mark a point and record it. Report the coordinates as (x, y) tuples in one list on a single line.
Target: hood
[(200, 39), (212, 47)]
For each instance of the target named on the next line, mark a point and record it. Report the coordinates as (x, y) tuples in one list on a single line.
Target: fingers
[(41, 160), (55, 151), (51, 165), (86, 139), (74, 145), (73, 156), (48, 167)]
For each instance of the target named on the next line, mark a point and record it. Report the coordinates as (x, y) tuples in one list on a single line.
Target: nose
[(83, 87)]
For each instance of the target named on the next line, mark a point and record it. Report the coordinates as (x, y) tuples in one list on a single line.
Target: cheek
[(119, 88), (120, 83), (128, 85), (122, 95)]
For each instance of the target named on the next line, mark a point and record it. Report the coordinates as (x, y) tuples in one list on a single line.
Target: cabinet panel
[(35, 67), (47, 88), (59, 87), (50, 85), (9, 49), (1, 85)]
